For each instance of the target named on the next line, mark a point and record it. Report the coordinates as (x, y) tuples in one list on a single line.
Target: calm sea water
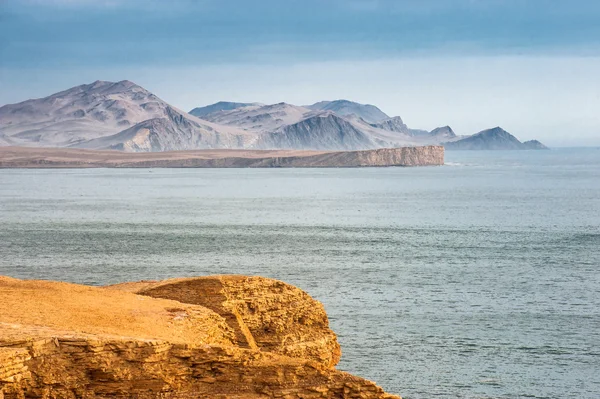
[(478, 279)]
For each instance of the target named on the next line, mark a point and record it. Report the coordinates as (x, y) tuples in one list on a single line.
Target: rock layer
[(21, 157), (212, 337), (263, 313)]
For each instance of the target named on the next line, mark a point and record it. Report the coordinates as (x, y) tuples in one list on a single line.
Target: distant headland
[(31, 157)]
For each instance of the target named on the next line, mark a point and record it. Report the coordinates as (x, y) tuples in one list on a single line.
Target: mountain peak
[(218, 106), (495, 130), (80, 113), (534, 145), (495, 138), (445, 132), (106, 87), (368, 112)]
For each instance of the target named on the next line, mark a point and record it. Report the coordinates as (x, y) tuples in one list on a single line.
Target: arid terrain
[(29, 157), (125, 116), (208, 337)]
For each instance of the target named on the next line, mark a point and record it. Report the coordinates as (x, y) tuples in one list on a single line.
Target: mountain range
[(124, 116)]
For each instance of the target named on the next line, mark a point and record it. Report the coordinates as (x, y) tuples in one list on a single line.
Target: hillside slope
[(491, 139)]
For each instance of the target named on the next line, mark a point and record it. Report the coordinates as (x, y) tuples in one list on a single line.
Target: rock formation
[(172, 132), (325, 131), (493, 139), (534, 145), (395, 124), (369, 113), (209, 337), (20, 157), (126, 117), (108, 115), (220, 106)]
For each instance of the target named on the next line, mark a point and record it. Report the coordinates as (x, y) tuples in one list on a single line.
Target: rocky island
[(27, 157), (207, 337)]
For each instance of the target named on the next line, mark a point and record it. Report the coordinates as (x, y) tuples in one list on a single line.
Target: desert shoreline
[(65, 158)]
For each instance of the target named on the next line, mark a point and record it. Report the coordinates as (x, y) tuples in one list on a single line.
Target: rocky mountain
[(4, 141), (324, 131), (284, 125), (125, 116), (119, 115), (220, 106), (260, 118), (369, 113), (79, 114), (444, 133), (175, 131), (394, 124), (491, 139), (534, 145)]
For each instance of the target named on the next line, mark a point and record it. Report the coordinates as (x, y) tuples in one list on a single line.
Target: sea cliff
[(208, 337), (26, 157)]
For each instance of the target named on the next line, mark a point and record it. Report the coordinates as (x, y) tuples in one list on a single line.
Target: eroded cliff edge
[(207, 337), (25, 157)]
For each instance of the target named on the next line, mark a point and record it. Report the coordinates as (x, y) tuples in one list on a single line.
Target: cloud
[(75, 3), (86, 4)]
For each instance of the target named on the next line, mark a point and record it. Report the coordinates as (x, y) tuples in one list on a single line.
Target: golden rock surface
[(207, 337)]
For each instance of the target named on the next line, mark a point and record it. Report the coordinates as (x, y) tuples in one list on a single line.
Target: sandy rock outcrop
[(264, 313), (211, 337)]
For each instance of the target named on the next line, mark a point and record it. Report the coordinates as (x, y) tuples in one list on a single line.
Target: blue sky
[(530, 66)]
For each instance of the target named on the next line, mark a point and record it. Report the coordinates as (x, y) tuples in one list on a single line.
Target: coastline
[(221, 336), (42, 158)]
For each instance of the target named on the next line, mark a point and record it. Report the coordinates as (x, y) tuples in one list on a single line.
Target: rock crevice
[(208, 337)]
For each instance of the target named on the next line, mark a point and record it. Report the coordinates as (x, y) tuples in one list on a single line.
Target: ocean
[(477, 279)]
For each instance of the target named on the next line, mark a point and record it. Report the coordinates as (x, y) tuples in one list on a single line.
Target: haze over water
[(478, 279)]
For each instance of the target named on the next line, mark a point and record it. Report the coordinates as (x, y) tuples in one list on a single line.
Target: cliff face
[(20, 157), (263, 313), (214, 337)]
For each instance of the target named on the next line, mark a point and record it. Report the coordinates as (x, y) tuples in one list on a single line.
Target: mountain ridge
[(368, 112), (219, 106), (125, 116), (493, 139)]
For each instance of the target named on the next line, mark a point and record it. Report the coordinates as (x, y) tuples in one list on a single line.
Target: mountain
[(220, 106), (79, 114), (118, 115), (490, 139), (534, 145), (125, 116), (324, 131), (260, 118), (443, 133), (394, 124), (4, 141), (370, 113), (175, 131)]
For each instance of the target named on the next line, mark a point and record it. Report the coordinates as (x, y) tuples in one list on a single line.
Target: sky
[(529, 66)]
